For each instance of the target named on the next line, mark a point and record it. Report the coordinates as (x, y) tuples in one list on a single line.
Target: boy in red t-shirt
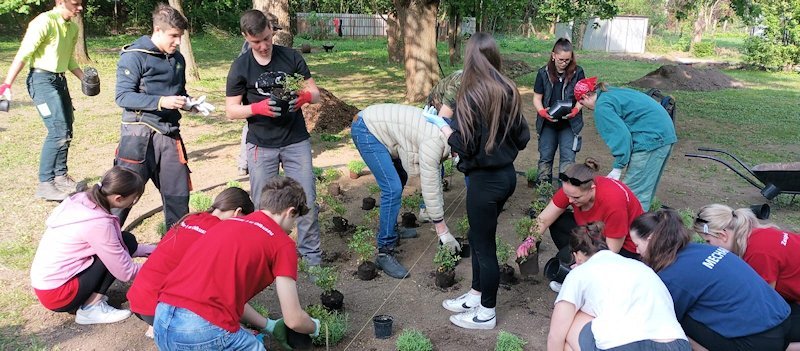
[(202, 301)]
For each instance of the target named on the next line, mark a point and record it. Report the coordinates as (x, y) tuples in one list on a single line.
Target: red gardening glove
[(543, 113), (5, 91), (303, 97), (573, 113), (265, 107)]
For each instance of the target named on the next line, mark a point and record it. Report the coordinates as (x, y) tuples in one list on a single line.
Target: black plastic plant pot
[(90, 85), (531, 184), (409, 220), (465, 249), (445, 279), (340, 224), (507, 274), (367, 203), (529, 267), (555, 270), (761, 211), (333, 300), (383, 326), (283, 103), (4, 105), (367, 270), (298, 341), (445, 185)]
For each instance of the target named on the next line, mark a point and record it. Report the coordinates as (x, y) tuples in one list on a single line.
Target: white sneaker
[(462, 303), (101, 312), (471, 320), (555, 286)]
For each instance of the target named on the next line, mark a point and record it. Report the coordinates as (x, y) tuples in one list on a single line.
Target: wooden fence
[(359, 25)]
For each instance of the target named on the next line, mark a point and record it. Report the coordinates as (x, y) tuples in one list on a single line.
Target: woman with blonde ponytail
[(769, 250)]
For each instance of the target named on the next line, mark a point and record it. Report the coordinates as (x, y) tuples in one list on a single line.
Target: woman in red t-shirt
[(771, 252), (143, 294), (593, 199)]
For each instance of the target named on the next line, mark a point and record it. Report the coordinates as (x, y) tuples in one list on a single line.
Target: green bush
[(504, 250), (413, 340), (773, 56), (532, 174), (703, 49), (509, 342), (326, 277), (445, 259), (523, 227), (462, 227), (332, 325), (330, 174), (363, 244), (200, 202), (356, 166), (545, 190)]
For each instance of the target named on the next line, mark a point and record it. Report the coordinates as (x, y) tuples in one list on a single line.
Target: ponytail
[(116, 181), (668, 238)]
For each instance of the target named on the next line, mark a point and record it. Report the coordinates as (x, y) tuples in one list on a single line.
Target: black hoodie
[(144, 75)]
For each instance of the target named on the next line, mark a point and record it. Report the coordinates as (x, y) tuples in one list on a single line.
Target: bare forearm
[(77, 72), (238, 111), (252, 317), (13, 71), (615, 244)]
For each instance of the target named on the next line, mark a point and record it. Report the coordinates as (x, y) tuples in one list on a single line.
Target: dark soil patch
[(516, 68), (333, 300), (330, 115), (686, 77)]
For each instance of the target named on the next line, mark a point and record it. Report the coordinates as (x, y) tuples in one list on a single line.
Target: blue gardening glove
[(429, 112), (316, 328)]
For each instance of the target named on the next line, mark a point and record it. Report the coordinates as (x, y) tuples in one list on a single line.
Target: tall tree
[(279, 8), (81, 54), (192, 72), (394, 34), (419, 37), (580, 11)]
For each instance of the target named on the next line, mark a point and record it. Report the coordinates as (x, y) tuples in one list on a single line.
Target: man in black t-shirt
[(277, 135)]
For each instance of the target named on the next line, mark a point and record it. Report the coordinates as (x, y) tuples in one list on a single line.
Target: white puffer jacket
[(419, 145)]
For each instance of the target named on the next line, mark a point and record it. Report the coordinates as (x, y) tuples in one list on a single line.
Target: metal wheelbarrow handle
[(747, 178), (741, 163)]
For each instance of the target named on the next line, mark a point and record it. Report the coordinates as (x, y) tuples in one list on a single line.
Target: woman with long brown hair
[(488, 132)]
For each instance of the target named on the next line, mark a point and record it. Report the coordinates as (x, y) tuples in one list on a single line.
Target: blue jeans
[(389, 174), (644, 172), (180, 329), (295, 159), (587, 342), (550, 139), (50, 95)]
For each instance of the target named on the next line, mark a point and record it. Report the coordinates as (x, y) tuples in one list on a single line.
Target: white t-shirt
[(628, 300)]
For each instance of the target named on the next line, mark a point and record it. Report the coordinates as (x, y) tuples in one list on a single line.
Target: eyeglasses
[(574, 181), (562, 60)]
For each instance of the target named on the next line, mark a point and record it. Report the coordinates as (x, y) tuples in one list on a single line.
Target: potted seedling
[(462, 228), (368, 203), (504, 252), (410, 204), (532, 175), (340, 224), (537, 206), (528, 265), (445, 261), (509, 342), (355, 167), (332, 325), (291, 84), (372, 216), (317, 171), (545, 191), (413, 340), (363, 245), (325, 278)]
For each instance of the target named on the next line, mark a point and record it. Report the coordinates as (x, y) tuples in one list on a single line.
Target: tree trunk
[(394, 33), (699, 28), (454, 37), (192, 72), (420, 57), (279, 8), (81, 55), (578, 30)]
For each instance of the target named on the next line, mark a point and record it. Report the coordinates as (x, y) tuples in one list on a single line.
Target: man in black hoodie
[(151, 87)]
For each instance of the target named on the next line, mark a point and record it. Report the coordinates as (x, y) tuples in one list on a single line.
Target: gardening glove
[(573, 113), (302, 97), (5, 91), (198, 105), (265, 107), (430, 114), (524, 248), (279, 332), (614, 174), (316, 329), (543, 113), (450, 242)]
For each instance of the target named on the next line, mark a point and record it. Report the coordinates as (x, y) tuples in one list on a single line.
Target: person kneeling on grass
[(83, 250), (202, 301), (143, 294), (630, 309)]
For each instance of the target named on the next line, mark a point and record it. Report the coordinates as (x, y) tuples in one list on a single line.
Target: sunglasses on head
[(574, 181)]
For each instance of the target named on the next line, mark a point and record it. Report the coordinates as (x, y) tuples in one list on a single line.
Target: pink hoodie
[(76, 230)]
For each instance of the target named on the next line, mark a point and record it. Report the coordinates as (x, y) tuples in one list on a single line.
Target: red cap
[(584, 86)]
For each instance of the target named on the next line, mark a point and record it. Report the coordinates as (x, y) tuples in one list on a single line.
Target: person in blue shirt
[(637, 130), (721, 303)]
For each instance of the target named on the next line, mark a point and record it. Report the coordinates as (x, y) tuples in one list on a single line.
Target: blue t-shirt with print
[(715, 287)]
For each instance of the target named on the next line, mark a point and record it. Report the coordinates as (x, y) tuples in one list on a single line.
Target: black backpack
[(666, 101)]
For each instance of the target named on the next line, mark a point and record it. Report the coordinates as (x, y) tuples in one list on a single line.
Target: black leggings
[(486, 195), (147, 319), (794, 317), (96, 278), (774, 339), (561, 230)]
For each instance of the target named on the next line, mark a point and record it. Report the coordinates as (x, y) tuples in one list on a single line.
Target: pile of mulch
[(330, 115), (686, 77), (516, 68)]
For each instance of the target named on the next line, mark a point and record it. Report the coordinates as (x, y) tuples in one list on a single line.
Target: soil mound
[(330, 115), (516, 68), (686, 77)]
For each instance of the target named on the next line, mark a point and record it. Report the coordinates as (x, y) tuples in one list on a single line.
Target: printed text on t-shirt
[(715, 257)]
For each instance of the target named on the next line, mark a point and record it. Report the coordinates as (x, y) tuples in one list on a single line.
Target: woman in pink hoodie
[(83, 250)]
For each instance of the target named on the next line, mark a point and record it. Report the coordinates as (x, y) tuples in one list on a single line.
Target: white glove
[(6, 91), (614, 174), (450, 241), (199, 105)]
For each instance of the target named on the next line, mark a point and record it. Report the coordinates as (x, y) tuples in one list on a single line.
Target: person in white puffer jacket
[(396, 141)]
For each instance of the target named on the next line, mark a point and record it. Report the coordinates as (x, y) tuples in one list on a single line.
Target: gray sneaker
[(49, 192), (66, 184), (389, 264)]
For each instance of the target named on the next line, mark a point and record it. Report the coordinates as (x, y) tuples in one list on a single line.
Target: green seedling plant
[(413, 340), (373, 189), (330, 174), (234, 184), (449, 167), (462, 227), (325, 277), (523, 230), (317, 172), (356, 166), (545, 191), (532, 174), (372, 216), (334, 204), (411, 203), (509, 342), (655, 204), (332, 325), (331, 138), (161, 229), (363, 244), (538, 206), (445, 259), (504, 251), (200, 202), (293, 82)]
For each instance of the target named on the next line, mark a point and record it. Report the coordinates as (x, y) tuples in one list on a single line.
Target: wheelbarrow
[(771, 178)]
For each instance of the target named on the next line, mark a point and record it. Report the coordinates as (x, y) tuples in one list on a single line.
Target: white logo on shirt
[(785, 239), (193, 227), (259, 225), (715, 257)]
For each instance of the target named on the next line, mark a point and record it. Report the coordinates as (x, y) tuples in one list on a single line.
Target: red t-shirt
[(143, 294), (614, 205), (236, 260), (772, 253)]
